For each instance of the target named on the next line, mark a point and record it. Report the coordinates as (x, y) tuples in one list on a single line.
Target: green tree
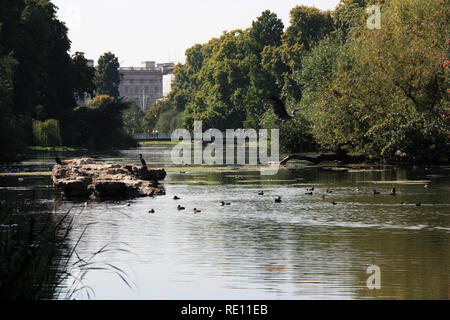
[(308, 26), (82, 76), (11, 132), (133, 117), (388, 93), (47, 133), (162, 116), (266, 30), (99, 124), (107, 77), (317, 71), (45, 79), (348, 15)]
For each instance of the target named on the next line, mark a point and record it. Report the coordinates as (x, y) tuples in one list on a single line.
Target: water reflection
[(302, 248)]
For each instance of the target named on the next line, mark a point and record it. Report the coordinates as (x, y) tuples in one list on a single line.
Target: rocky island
[(85, 177)]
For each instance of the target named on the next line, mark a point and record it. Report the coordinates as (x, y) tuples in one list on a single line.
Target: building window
[(156, 89), (126, 89), (147, 90), (136, 90)]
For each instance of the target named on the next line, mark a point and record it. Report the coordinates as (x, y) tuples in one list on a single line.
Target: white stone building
[(145, 84)]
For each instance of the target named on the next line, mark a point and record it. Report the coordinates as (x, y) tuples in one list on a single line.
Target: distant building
[(145, 84)]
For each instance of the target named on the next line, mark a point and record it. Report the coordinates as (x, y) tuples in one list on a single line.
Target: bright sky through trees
[(139, 30)]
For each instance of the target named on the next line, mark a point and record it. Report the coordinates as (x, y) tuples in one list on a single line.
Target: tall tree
[(388, 94), (107, 77), (82, 76), (132, 117), (266, 30), (308, 26)]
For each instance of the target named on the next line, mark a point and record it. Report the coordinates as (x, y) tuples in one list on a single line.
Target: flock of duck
[(309, 191)]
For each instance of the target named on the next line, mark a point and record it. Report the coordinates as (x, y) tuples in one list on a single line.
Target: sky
[(161, 31)]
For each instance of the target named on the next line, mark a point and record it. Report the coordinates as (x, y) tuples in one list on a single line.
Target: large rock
[(84, 177)]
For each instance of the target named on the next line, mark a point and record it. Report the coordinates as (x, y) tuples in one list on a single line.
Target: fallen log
[(340, 157)]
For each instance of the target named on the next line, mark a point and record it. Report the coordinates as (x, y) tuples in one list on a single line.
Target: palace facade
[(144, 84)]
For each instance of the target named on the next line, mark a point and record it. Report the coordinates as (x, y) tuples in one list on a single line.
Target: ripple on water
[(301, 248)]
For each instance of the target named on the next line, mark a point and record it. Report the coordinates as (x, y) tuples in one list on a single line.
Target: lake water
[(302, 248)]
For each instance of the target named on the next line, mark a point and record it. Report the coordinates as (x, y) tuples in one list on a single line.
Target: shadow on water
[(302, 248)]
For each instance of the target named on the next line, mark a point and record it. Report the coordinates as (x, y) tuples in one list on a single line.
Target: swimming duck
[(418, 204), (261, 193), (329, 191), (127, 204), (403, 203), (180, 208), (278, 199), (310, 189), (334, 203), (222, 203), (356, 189), (393, 192), (323, 196), (151, 211), (309, 193), (176, 198), (196, 211), (375, 192)]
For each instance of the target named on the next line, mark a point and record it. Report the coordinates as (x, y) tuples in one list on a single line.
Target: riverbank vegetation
[(42, 86), (35, 261), (381, 94)]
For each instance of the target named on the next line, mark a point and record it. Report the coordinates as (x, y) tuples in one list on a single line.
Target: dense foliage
[(47, 133), (99, 124), (383, 93), (132, 117), (379, 93), (40, 80), (107, 77), (387, 89)]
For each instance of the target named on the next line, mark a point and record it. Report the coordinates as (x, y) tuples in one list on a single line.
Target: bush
[(46, 133), (99, 125), (295, 135)]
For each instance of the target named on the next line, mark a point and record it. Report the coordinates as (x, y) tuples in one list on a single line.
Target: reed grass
[(36, 260)]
